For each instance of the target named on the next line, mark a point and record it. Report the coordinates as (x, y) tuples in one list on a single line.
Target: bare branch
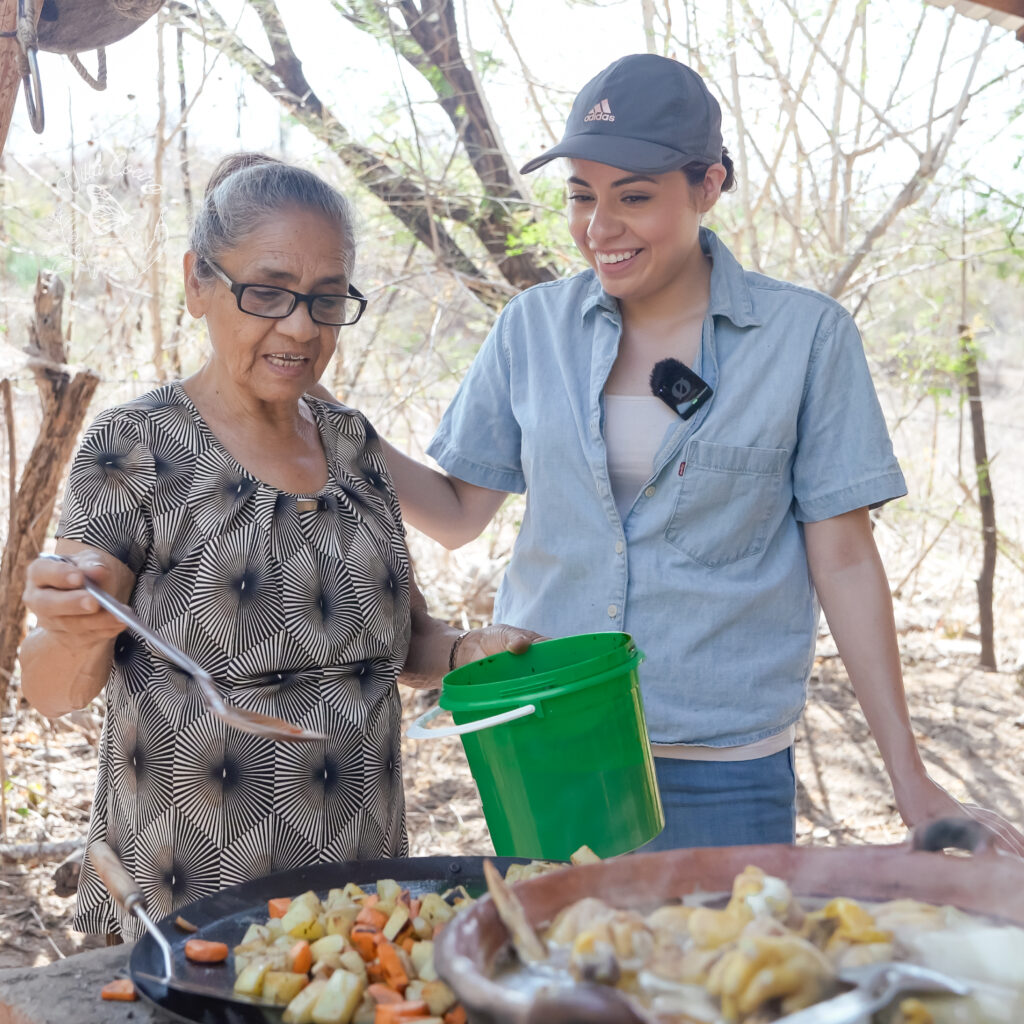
[(285, 81), (528, 76), (842, 77)]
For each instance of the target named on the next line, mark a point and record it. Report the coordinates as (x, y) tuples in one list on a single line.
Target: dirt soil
[(969, 723)]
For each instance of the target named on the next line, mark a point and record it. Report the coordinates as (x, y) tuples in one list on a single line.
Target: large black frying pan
[(226, 915)]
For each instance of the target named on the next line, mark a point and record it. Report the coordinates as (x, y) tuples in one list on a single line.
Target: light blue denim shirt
[(708, 570)]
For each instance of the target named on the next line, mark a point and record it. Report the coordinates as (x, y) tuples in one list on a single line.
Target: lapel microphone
[(679, 387)]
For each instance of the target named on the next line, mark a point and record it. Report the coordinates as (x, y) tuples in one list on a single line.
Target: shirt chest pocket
[(727, 495)]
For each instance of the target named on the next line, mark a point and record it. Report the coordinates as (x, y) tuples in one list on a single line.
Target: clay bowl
[(985, 883)]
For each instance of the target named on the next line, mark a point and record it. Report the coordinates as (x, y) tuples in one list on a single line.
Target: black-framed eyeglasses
[(273, 303)]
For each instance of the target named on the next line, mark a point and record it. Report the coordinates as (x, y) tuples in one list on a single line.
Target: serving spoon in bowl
[(239, 718), (875, 987)]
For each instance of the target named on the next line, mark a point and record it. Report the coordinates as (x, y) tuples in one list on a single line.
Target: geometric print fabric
[(299, 614)]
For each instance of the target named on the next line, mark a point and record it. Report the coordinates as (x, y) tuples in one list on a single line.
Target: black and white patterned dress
[(298, 608)]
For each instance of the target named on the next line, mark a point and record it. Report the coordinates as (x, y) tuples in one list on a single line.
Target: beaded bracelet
[(456, 644)]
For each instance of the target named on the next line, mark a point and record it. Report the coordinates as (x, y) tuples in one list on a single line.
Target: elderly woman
[(257, 528)]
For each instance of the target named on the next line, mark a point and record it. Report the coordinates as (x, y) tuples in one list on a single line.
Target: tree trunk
[(65, 396), (986, 500)]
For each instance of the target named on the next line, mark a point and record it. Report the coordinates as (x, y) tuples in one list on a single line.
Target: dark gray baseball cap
[(644, 113)]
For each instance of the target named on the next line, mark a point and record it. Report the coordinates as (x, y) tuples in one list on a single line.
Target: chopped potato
[(434, 910), (422, 957), (338, 1001), (300, 1009), (339, 918), (388, 893), (396, 922), (281, 987), (328, 944), (301, 921), (438, 997), (250, 981)]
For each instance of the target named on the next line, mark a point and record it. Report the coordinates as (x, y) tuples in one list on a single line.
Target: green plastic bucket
[(557, 744)]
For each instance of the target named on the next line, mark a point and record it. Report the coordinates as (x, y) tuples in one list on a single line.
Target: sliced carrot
[(381, 993), (202, 951), (371, 899), (375, 973), (301, 957), (121, 990), (278, 907), (396, 1013), (372, 916), (394, 969), (364, 939), (407, 943), (456, 1015)]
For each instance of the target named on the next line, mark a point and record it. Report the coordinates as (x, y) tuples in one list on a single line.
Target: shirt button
[(649, 491), (619, 547), (612, 611)]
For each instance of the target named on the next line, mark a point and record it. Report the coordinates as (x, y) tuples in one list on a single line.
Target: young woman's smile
[(639, 232)]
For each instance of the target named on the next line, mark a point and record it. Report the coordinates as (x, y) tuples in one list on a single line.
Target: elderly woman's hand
[(482, 643), (53, 592)]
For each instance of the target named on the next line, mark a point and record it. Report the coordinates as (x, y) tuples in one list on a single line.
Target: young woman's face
[(273, 360), (638, 231)]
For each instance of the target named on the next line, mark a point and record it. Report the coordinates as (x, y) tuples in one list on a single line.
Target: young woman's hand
[(925, 800), (54, 594)]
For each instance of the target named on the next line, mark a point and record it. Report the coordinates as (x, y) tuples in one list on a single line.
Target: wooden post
[(10, 65), (65, 395), (985, 582)]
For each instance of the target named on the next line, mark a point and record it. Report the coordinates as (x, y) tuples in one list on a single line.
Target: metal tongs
[(209, 983), (876, 986), (246, 721)]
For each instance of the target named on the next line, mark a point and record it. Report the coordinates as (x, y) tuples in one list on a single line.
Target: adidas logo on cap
[(600, 112)]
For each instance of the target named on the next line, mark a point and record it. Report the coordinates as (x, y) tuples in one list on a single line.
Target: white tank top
[(634, 428)]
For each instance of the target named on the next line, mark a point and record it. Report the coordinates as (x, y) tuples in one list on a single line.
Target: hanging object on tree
[(75, 26), (69, 27)]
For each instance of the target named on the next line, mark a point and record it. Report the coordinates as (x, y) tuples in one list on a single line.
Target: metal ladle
[(877, 985), (239, 718)]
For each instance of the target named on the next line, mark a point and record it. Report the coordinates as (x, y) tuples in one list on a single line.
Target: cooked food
[(764, 955), (120, 990), (202, 951), (358, 956)]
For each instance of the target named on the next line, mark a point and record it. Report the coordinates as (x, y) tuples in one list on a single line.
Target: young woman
[(708, 525)]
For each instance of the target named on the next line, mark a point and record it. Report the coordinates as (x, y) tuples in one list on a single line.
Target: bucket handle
[(416, 731)]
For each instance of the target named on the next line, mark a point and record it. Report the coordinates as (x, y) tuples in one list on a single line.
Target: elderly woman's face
[(274, 360)]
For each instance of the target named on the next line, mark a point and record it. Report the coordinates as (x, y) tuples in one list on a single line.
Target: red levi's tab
[(682, 466)]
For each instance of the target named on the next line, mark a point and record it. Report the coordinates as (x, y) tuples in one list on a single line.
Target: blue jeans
[(726, 803)]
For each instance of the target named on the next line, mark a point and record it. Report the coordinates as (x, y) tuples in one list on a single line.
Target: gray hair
[(247, 189)]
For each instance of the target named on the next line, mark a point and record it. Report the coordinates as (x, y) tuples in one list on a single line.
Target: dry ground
[(970, 725)]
